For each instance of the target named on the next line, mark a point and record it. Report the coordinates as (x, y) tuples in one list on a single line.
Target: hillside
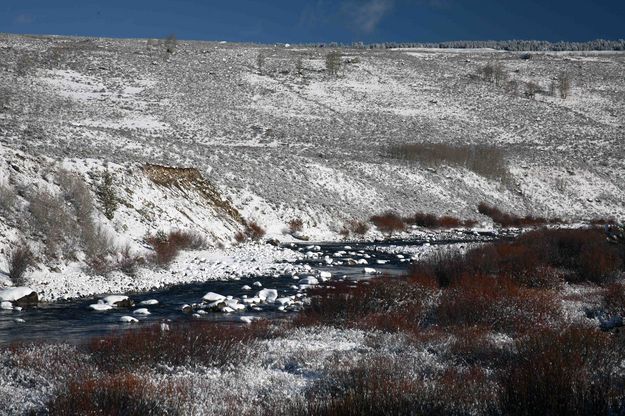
[(202, 138)]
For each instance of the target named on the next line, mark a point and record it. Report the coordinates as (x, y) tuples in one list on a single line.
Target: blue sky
[(269, 21)]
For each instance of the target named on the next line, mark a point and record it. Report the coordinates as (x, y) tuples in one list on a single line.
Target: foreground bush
[(574, 371), (118, 394), (204, 343)]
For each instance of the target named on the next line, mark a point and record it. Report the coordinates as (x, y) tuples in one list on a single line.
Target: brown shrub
[(388, 304), (432, 221), (564, 372), (614, 298), (496, 303), (240, 237), (443, 267), (118, 394), (511, 220), (389, 222), (253, 231), (20, 259), (203, 343), (167, 246), (296, 225)]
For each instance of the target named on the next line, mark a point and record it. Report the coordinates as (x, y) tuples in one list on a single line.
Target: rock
[(142, 311), (149, 302), (257, 284), (309, 280), (268, 295), (100, 307), (213, 297), (128, 320), (19, 296), (369, 270), (186, 308), (246, 287), (119, 301), (6, 305)]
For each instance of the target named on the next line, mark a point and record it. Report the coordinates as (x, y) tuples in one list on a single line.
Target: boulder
[(119, 301), (19, 296)]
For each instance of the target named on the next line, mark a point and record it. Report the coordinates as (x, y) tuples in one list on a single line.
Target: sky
[(304, 21)]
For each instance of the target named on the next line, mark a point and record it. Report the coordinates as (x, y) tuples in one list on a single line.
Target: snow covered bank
[(194, 266)]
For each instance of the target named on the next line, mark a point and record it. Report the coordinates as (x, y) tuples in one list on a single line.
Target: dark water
[(74, 321)]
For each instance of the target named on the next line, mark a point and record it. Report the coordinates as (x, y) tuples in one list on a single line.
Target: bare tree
[(20, 259), (564, 85), (260, 62), (334, 62), (171, 43), (299, 66)]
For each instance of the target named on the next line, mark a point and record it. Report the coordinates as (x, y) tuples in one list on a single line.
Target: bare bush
[(8, 198), (260, 62), (107, 195), (296, 225), (564, 85), (252, 231), (531, 89), (334, 61), (487, 161), (20, 259), (388, 222), (167, 246), (511, 220), (494, 73), (50, 218)]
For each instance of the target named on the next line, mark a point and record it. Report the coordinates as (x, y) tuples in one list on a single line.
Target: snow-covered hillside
[(203, 140)]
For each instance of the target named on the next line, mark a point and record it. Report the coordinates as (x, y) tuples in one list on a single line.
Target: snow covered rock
[(6, 305), (21, 296), (142, 311), (309, 280), (119, 301), (213, 297), (369, 270), (246, 287), (101, 307), (268, 295), (149, 302), (128, 320)]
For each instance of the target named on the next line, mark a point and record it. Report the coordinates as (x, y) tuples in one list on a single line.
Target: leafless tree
[(564, 85), (20, 259), (260, 62), (334, 62)]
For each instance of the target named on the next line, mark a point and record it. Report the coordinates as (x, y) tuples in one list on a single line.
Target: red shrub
[(432, 221), (204, 343), (511, 220), (614, 299), (496, 303), (118, 394), (564, 372), (389, 222)]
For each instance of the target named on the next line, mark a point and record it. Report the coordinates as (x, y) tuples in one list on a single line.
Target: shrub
[(564, 372), (260, 62), (564, 85), (8, 199), (192, 343), (118, 394), (388, 222), (531, 89), (167, 246), (107, 196), (488, 161), (20, 259), (443, 266), (388, 304), (614, 299), (253, 231), (334, 61), (50, 219), (511, 220), (432, 221), (296, 225), (496, 303)]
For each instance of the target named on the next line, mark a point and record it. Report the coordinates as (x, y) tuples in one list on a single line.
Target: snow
[(141, 311), (15, 293)]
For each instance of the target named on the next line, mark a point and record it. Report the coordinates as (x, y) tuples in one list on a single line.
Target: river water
[(74, 321)]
